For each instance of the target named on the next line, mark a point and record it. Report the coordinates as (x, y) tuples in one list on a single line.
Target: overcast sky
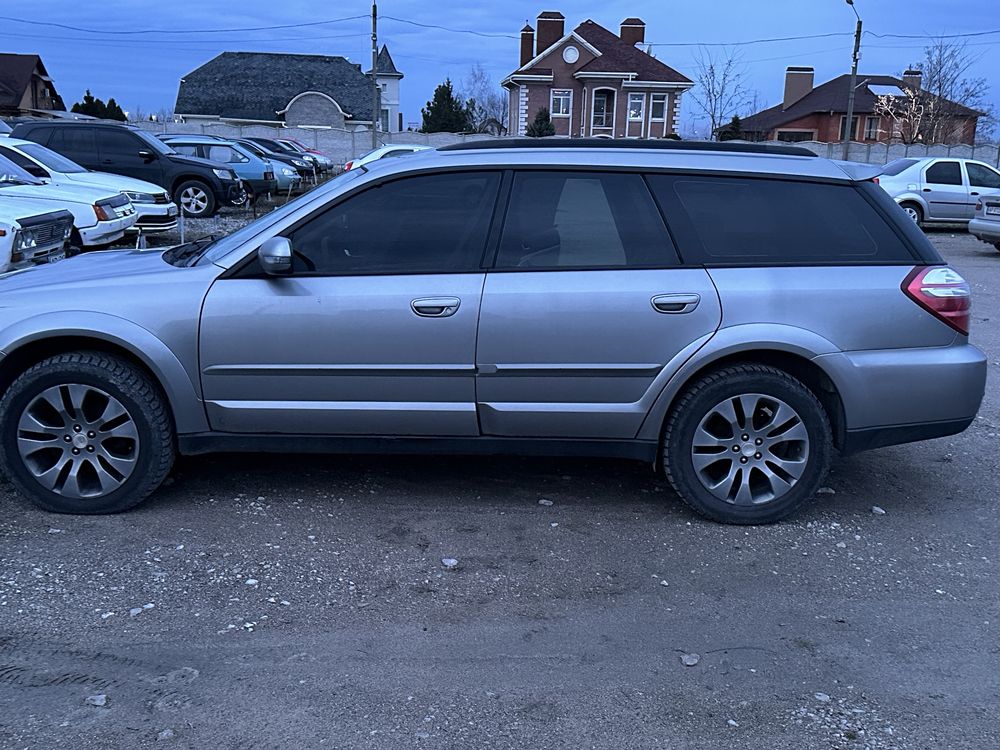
[(142, 70)]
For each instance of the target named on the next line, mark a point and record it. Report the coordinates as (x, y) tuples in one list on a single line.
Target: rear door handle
[(673, 304), (973, 193), (436, 307)]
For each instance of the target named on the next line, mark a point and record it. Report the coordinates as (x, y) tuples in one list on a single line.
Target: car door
[(983, 180), (373, 332), (75, 142), (123, 152), (584, 309), (945, 191)]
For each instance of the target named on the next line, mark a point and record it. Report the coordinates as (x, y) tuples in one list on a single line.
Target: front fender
[(736, 340), (182, 393)]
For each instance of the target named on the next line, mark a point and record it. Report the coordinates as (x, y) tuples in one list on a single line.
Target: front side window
[(658, 107), (185, 149), (982, 176), (120, 143), (944, 173), (562, 220), (636, 106), (562, 102), (726, 220), (428, 224), (226, 154)]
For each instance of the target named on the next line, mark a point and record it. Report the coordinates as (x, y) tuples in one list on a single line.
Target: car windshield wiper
[(188, 253)]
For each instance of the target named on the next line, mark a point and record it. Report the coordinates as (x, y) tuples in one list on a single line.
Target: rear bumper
[(900, 395), (986, 230)]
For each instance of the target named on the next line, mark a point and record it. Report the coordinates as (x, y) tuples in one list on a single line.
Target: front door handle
[(973, 193), (673, 304), (436, 307)]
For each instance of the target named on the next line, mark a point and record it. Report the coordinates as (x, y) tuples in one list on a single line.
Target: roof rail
[(630, 143)]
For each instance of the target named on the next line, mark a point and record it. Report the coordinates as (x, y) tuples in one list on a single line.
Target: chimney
[(633, 31), (798, 83), (527, 44), (550, 29), (912, 78)]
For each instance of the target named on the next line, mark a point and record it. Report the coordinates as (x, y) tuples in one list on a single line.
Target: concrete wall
[(341, 145), (882, 153)]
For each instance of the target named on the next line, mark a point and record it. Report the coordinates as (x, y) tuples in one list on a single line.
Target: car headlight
[(26, 240), (140, 197), (288, 172), (225, 174), (301, 163)]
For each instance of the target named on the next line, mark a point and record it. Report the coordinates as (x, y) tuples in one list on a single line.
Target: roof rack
[(630, 143)]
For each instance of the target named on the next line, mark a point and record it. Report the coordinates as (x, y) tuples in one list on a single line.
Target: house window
[(794, 136), (604, 109), (658, 108), (385, 87), (843, 126), (562, 102), (384, 120), (636, 106), (871, 128)]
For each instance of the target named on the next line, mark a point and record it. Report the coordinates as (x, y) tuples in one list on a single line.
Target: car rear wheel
[(914, 211), (195, 198), (747, 444), (86, 433)]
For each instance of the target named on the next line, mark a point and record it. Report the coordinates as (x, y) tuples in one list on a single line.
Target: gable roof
[(15, 76), (384, 66), (832, 97), (620, 56), (258, 85)]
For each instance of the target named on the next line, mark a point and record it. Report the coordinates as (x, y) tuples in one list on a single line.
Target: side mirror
[(146, 156), (275, 256)]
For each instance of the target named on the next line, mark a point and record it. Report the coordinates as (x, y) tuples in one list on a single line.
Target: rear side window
[(726, 220), (74, 140), (562, 220), (944, 173), (893, 168)]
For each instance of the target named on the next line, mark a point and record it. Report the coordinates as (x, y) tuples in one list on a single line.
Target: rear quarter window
[(748, 220)]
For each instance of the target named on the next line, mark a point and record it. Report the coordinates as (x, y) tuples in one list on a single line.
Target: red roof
[(620, 57)]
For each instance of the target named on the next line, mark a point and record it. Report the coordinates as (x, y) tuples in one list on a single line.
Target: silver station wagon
[(730, 314)]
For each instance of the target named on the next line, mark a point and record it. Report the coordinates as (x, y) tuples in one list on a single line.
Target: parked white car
[(383, 152), (100, 216), (939, 189), (155, 211), (30, 234)]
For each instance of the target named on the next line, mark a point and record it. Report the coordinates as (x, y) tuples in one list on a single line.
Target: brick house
[(593, 82), (290, 89), (25, 86), (819, 113)]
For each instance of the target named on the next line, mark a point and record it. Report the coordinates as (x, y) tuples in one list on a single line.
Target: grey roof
[(831, 97), (384, 64), (258, 85)]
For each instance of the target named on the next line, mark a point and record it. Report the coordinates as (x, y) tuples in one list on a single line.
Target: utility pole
[(376, 114), (848, 130)]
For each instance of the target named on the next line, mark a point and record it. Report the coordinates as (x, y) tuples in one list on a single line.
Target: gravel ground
[(384, 602)]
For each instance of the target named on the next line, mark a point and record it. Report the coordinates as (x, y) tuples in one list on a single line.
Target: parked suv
[(257, 173), (938, 190), (198, 186), (730, 314)]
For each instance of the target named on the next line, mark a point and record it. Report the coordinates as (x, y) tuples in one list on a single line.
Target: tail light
[(943, 293), (979, 205), (875, 180), (102, 213), (347, 167)]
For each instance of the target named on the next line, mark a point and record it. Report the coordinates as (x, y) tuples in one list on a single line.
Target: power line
[(123, 42), (180, 31), (751, 41), (933, 36), (446, 28)]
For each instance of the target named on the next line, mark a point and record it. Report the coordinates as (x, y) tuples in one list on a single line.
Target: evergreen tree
[(541, 126), (732, 130), (445, 113), (97, 108)]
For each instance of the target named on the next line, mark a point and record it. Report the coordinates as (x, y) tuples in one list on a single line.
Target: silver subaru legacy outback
[(730, 314)]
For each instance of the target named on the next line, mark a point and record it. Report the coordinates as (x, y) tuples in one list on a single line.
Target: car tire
[(85, 433), (747, 444), (914, 211), (195, 199)]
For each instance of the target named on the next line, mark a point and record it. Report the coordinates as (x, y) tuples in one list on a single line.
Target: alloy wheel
[(750, 449), (194, 200), (78, 441)]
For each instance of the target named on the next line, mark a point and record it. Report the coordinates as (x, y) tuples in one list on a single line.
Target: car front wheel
[(85, 432), (747, 444), (195, 198)]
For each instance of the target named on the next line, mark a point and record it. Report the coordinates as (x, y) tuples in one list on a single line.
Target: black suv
[(199, 186)]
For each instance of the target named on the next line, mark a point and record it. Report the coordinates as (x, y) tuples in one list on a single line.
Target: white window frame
[(642, 107), (568, 98), (852, 136), (613, 98), (870, 132), (652, 103)]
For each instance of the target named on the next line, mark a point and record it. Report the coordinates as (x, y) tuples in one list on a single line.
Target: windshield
[(4, 127), (50, 159), (154, 143), (11, 174), (252, 147), (224, 246)]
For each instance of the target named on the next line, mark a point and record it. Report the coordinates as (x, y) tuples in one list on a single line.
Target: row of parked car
[(68, 186)]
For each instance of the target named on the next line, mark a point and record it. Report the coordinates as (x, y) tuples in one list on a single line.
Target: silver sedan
[(938, 190)]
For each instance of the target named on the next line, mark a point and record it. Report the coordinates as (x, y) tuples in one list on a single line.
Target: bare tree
[(905, 114), (487, 102), (720, 92), (947, 91)]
